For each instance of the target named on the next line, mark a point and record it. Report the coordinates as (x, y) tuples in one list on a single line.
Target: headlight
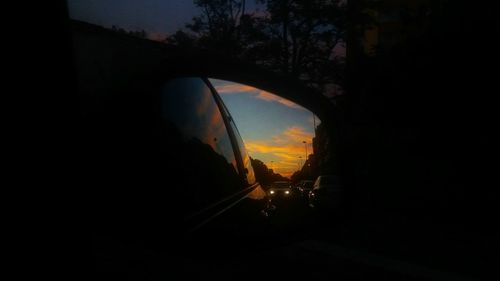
[(272, 191), (287, 192)]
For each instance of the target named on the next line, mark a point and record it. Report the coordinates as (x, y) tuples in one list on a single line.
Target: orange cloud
[(286, 156), (285, 174), (297, 134), (234, 88), (265, 147), (285, 149)]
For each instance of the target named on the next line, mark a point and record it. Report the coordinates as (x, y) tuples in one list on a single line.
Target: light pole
[(306, 169), (305, 144), (314, 124)]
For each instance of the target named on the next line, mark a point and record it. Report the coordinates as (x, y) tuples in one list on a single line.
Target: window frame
[(232, 135)]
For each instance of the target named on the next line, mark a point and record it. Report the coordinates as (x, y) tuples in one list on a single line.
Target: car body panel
[(161, 155), (326, 193)]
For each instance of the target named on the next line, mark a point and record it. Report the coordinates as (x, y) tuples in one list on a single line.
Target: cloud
[(285, 149), (229, 88), (274, 98), (286, 156), (313, 120), (298, 134), (233, 88), (290, 165), (285, 174)]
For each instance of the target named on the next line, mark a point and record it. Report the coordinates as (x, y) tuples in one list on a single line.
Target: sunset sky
[(272, 128), (158, 18)]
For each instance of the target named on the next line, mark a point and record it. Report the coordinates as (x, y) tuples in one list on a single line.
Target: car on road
[(326, 193), (304, 187), (280, 189)]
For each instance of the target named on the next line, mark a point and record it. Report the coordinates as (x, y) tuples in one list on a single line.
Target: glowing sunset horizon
[(273, 128)]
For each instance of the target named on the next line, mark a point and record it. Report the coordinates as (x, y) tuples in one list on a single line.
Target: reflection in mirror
[(195, 138), (276, 135)]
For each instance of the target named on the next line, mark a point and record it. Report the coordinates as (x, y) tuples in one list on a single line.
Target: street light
[(314, 124), (306, 169), (305, 144)]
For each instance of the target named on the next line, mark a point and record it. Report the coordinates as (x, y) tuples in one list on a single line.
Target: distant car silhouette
[(304, 187), (326, 193)]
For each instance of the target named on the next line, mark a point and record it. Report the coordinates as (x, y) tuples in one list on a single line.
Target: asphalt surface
[(304, 244)]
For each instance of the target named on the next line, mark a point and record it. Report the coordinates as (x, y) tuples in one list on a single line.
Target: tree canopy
[(298, 38)]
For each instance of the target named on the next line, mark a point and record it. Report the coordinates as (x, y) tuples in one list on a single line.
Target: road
[(305, 245), (302, 245)]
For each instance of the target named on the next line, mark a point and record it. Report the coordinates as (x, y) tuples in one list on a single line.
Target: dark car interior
[(149, 155)]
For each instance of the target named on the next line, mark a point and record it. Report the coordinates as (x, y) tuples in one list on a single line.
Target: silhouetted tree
[(137, 33), (408, 120), (218, 25), (297, 176), (182, 39), (297, 38), (263, 174), (304, 35)]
